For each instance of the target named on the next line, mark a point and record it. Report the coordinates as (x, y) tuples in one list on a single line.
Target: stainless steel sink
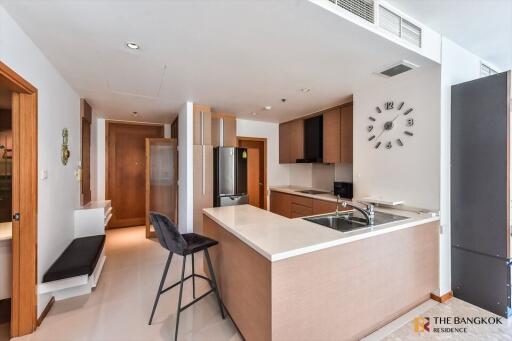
[(346, 222), (312, 191)]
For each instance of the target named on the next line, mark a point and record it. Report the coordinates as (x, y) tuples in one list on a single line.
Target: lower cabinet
[(295, 206)]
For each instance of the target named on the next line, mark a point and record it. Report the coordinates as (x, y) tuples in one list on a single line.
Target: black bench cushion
[(79, 258)]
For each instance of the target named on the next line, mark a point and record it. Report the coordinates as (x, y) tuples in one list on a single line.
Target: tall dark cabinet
[(480, 192)]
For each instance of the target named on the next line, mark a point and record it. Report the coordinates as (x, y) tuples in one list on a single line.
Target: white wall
[(409, 173), (458, 65), (186, 164), (58, 108)]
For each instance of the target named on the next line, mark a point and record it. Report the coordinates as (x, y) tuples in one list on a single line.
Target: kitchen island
[(291, 279)]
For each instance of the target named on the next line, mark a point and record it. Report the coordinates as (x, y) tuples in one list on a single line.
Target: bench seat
[(79, 258)]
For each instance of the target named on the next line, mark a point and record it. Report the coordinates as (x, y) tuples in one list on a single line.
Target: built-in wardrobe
[(480, 192)]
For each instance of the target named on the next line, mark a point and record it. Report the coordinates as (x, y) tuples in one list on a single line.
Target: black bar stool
[(182, 244)]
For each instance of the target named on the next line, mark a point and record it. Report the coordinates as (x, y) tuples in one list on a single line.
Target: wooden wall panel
[(243, 276), (351, 290)]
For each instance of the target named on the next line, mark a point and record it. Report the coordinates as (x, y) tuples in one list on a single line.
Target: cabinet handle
[(221, 132), (202, 128), (204, 171)]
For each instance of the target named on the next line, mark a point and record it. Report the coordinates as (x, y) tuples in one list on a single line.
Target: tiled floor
[(120, 306)]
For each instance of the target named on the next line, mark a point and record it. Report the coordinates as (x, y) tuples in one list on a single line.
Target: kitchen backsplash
[(320, 176)]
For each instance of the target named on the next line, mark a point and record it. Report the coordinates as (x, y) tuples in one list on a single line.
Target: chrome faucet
[(368, 212)]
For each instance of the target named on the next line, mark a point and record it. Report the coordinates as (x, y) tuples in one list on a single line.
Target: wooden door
[(256, 170), (253, 176), (126, 170), (161, 180), (86, 118)]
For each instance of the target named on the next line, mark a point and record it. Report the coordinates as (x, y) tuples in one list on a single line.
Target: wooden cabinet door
[(284, 143), (280, 203), (296, 140), (346, 134), (331, 136), (291, 141), (322, 206), (202, 125), (229, 131)]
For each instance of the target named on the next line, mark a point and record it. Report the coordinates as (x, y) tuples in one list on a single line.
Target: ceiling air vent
[(361, 8), (486, 70), (396, 69), (399, 27)]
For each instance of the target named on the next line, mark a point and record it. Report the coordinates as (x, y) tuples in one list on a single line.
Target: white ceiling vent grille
[(486, 70), (399, 27), (361, 8)]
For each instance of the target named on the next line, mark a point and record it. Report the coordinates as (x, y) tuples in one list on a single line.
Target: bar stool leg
[(193, 278), (215, 288), (179, 299), (162, 281)]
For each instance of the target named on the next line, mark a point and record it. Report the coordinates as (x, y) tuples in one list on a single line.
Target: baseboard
[(46, 311), (443, 298)]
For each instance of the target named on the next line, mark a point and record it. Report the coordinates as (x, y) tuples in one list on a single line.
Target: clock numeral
[(378, 110), (370, 128), (389, 105), (410, 122), (399, 142), (371, 119), (377, 145), (389, 145), (407, 112), (371, 137), (400, 106), (408, 133)]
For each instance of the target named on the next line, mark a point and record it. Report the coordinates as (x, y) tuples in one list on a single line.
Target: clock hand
[(393, 120)]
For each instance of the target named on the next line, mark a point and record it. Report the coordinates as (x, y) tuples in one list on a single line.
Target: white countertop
[(6, 231), (276, 237), (295, 191)]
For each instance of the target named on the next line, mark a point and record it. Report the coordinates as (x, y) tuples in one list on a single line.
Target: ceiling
[(237, 56), (483, 27)]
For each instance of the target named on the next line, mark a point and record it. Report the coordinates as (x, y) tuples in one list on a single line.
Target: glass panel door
[(161, 180)]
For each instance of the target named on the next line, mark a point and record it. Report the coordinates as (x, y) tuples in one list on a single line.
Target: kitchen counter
[(295, 191), (276, 237), (268, 265)]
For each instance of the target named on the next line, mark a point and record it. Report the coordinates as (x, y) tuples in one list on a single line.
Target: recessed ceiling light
[(268, 107), (305, 90), (135, 113), (132, 45)]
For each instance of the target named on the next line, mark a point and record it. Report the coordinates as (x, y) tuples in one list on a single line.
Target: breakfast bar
[(292, 279)]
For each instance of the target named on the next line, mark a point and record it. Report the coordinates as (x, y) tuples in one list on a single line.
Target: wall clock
[(391, 125)]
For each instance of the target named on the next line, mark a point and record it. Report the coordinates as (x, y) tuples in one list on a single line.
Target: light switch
[(44, 174)]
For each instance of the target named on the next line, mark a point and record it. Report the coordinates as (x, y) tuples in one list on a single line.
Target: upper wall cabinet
[(336, 134), (202, 125), (291, 141), (223, 130)]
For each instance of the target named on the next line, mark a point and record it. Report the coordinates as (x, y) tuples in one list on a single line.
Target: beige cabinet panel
[(202, 125)]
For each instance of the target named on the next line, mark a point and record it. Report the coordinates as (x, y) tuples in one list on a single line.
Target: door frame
[(264, 140), (24, 231), (108, 123)]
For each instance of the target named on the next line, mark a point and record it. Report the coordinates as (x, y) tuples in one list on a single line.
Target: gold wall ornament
[(65, 153)]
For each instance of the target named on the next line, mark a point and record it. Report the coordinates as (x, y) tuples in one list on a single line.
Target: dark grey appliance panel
[(233, 200), (226, 171), (241, 171), (481, 280), (479, 170)]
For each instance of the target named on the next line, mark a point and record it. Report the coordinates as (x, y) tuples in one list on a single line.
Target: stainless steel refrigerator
[(229, 176)]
